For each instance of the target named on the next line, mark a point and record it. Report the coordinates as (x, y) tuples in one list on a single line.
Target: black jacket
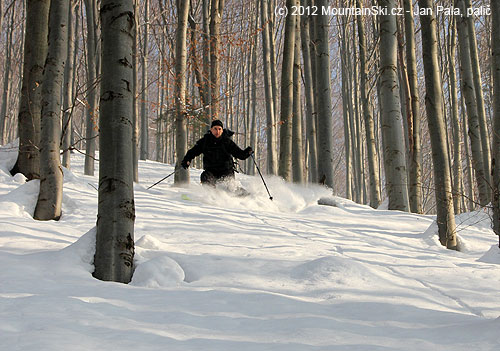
[(217, 153)]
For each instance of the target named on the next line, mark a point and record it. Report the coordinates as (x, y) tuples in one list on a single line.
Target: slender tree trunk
[(415, 152), (114, 256), (91, 116), (274, 64), (49, 202), (297, 152), (7, 78), (35, 53), (437, 130), (270, 116), (478, 88), (345, 109), (325, 133), (182, 176), (457, 150), (144, 153), (68, 90), (135, 95), (392, 133), (495, 39), (286, 120), (371, 148), (253, 101), (468, 168), (216, 9), (309, 95), (468, 91), (207, 89)]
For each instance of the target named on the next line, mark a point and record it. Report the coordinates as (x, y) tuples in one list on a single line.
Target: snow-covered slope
[(216, 272)]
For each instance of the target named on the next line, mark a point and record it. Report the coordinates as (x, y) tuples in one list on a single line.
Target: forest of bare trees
[(396, 109)]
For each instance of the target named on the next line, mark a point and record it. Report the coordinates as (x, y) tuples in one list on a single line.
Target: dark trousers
[(211, 177)]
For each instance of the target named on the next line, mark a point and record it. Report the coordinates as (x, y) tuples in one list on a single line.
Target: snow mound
[(81, 252), (161, 271), (21, 201), (491, 256), (334, 269), (149, 242)]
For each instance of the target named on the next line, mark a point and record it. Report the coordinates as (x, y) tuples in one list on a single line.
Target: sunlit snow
[(223, 273)]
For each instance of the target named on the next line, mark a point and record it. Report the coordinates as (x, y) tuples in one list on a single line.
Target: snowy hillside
[(219, 273)]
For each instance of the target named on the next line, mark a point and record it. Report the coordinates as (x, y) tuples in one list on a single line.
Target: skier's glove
[(248, 151), (185, 164)]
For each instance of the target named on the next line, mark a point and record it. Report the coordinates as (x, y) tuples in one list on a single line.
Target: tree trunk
[(495, 39), (286, 119), (35, 53), (437, 130), (144, 153), (207, 89), (135, 94), (457, 149), (415, 152), (325, 133), (49, 202), (309, 95), (392, 133), (7, 78), (182, 176), (478, 88), (469, 93), (114, 256), (270, 119), (68, 90), (371, 146), (91, 115), (346, 110), (216, 9), (253, 101), (297, 152)]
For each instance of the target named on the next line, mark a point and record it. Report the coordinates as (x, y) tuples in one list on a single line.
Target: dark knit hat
[(216, 122)]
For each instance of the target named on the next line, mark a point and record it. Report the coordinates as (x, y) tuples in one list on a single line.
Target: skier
[(218, 151)]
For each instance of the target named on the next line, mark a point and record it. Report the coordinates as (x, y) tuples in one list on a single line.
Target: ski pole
[(261, 177), (158, 182)]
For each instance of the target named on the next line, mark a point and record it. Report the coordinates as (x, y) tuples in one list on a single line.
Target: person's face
[(216, 131)]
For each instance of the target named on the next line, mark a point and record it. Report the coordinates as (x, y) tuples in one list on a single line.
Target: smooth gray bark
[(495, 39), (114, 256), (68, 89), (286, 112), (345, 110), (298, 161), (7, 83), (182, 176), (272, 164), (415, 152), (325, 133), (469, 93), (135, 114), (437, 130), (478, 88), (309, 95), (457, 128), (392, 132), (30, 108), (144, 153), (91, 112), (49, 202), (253, 101), (216, 10), (371, 147)]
